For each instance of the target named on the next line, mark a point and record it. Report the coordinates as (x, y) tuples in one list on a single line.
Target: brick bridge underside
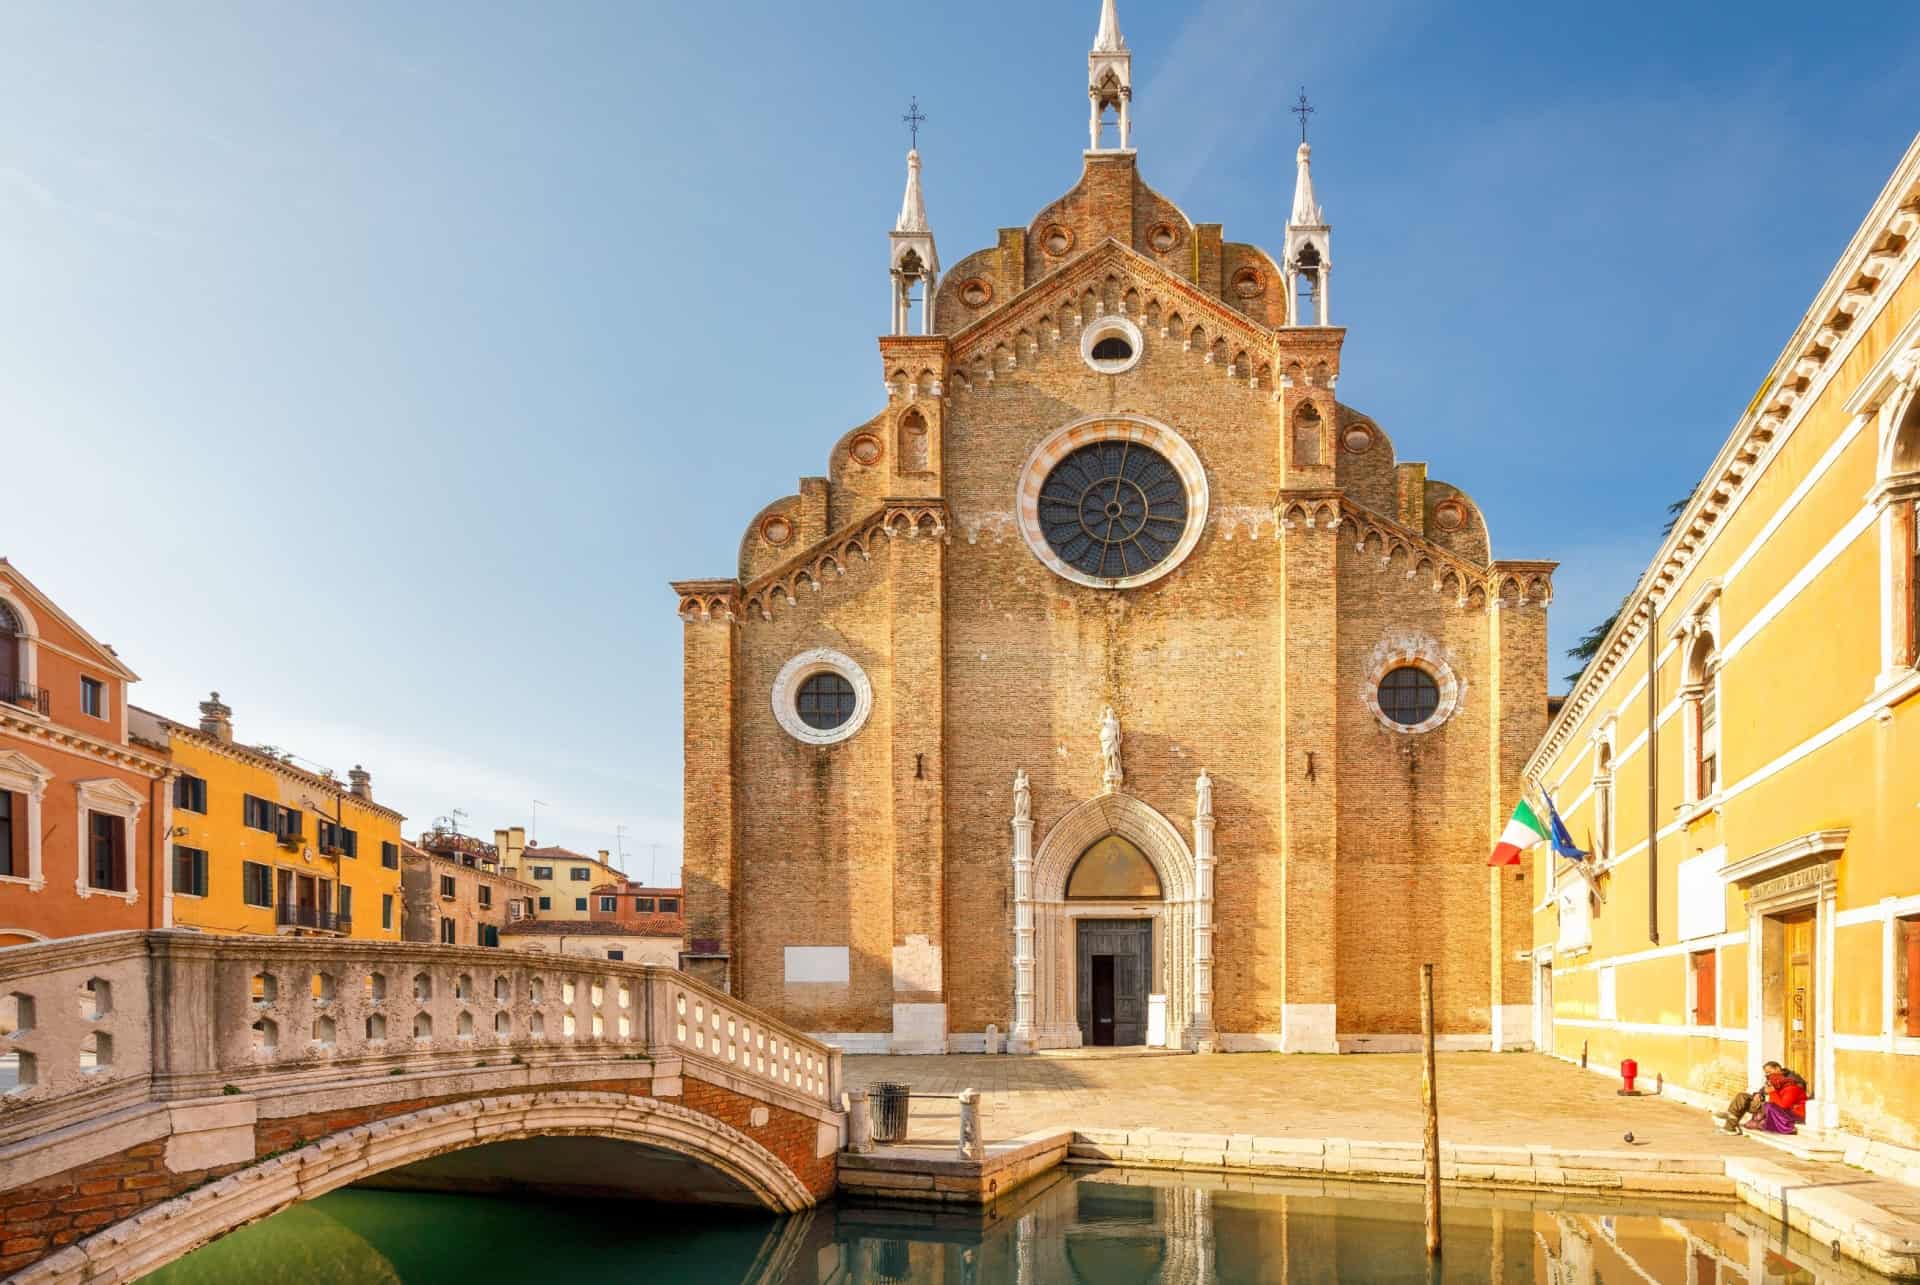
[(664, 1137)]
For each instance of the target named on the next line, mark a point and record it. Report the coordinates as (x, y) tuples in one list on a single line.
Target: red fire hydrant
[(1629, 1071)]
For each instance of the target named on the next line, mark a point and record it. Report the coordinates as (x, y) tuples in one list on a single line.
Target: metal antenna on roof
[(533, 831)]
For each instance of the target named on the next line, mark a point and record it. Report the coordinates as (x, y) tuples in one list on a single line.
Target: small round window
[(821, 697), (1409, 695), (1111, 345), (825, 701)]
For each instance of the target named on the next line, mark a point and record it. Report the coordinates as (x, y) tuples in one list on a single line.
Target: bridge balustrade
[(91, 1024)]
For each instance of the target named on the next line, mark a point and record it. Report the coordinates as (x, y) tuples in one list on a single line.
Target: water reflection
[(1103, 1227)]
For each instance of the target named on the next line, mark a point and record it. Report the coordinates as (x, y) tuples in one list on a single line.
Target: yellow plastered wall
[(1813, 740), (231, 773)]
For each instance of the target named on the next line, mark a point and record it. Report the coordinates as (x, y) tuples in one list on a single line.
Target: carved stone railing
[(92, 1024)]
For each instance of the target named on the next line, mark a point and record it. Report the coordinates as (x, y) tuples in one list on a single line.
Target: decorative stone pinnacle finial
[(1108, 39), (913, 206), (1306, 211)]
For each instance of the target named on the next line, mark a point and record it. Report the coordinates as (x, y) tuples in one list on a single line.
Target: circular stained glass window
[(1113, 509), (1409, 695), (825, 701)]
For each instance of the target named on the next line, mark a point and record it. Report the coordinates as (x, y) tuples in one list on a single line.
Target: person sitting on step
[(1777, 1108)]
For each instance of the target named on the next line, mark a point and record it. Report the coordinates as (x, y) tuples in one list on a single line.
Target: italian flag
[(1522, 832)]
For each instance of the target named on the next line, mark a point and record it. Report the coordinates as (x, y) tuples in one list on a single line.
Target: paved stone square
[(1502, 1099)]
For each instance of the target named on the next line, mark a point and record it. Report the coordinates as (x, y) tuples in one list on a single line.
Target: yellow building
[(1774, 910), (566, 879), (259, 845)]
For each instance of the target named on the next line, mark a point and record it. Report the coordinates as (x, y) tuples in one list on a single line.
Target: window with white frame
[(1897, 499), (1603, 800), (16, 660), (1700, 704), (107, 821)]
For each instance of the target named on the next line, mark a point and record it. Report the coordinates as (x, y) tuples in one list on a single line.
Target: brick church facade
[(1116, 684)]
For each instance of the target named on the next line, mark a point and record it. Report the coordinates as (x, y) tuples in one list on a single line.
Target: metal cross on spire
[(914, 119), (1302, 109)]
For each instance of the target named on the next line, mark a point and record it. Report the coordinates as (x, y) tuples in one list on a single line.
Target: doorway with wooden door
[(1115, 958), (1789, 991)]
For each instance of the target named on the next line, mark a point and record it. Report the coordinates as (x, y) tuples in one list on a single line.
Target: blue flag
[(1562, 841)]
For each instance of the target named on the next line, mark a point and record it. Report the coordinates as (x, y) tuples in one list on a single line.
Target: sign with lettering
[(1810, 876)]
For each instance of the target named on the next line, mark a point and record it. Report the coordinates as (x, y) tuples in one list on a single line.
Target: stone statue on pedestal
[(1022, 796), (1111, 775), (1203, 795)]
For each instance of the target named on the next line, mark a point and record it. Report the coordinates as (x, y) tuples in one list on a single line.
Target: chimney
[(603, 857), (216, 719), (360, 783)]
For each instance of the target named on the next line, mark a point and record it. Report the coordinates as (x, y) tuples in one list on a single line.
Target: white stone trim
[(1112, 326), (1781, 855), (115, 798), (786, 691), (29, 643), (22, 775), (1069, 438), (1417, 652), (1046, 1008)]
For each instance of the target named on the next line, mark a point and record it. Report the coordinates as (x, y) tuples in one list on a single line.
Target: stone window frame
[(1114, 326), (1895, 500), (1423, 654), (786, 693), (1068, 438), (1606, 762), (113, 798), (27, 664), (27, 778), (1699, 629)]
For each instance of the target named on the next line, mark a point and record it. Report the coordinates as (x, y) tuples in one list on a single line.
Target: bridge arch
[(129, 1249)]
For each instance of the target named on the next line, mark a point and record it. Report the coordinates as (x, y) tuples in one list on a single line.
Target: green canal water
[(1103, 1227)]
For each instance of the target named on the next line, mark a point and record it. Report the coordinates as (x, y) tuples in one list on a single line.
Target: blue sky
[(379, 364)]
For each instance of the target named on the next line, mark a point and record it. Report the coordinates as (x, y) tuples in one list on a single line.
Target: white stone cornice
[(1780, 856)]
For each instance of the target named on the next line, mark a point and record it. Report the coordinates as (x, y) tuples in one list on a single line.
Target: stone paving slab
[(1486, 1099)]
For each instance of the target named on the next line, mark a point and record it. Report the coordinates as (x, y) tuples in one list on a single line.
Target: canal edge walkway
[(1873, 1221)]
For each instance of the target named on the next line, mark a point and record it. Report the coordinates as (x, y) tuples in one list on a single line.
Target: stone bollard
[(993, 1038), (972, 1145), (859, 1123)]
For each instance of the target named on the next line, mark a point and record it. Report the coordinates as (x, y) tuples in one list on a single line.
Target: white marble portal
[(1045, 1015)]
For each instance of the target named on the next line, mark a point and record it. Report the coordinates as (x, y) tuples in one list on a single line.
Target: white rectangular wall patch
[(817, 964), (1703, 895)]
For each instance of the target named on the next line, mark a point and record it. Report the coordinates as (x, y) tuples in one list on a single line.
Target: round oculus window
[(821, 697), (825, 700), (1409, 695), (1113, 509)]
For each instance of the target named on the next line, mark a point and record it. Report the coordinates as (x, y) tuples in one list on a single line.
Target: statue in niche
[(1203, 795), (1111, 775), (1022, 796)]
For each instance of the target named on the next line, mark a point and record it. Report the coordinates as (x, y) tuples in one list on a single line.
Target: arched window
[(11, 665), (1603, 801), (1898, 499), (914, 451), (1701, 697), (1110, 869), (1306, 435)]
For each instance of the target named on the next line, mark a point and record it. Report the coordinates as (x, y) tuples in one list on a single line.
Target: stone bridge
[(159, 1089)]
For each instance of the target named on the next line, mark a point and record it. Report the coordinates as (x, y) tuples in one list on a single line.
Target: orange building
[(84, 808)]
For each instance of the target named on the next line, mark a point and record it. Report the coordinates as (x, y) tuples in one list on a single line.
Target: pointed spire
[(1306, 210), (913, 208), (1108, 39)]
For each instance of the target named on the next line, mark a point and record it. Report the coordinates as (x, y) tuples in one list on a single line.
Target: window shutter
[(120, 854), (17, 833), (1912, 928)]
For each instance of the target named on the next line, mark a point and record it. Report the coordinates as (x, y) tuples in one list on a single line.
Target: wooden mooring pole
[(1429, 1100)]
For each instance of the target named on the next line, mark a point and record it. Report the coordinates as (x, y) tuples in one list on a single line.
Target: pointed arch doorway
[(1105, 917)]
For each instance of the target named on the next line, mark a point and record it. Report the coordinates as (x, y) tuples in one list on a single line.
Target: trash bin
[(889, 1102)]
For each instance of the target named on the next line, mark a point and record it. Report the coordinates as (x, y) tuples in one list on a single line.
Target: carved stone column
[(1021, 1038), (1202, 1028)]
